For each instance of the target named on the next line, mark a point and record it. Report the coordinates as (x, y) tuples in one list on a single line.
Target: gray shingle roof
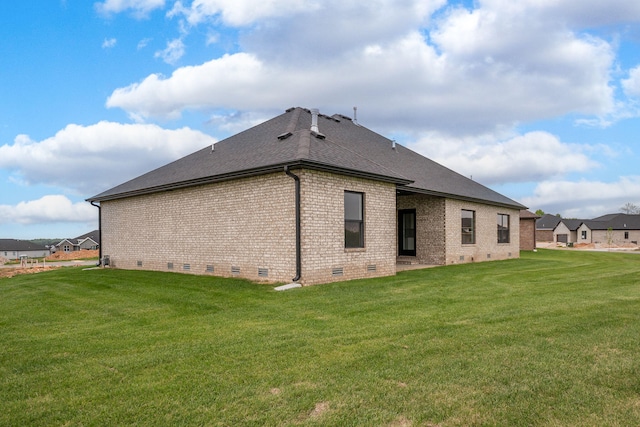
[(548, 222), (341, 146), (615, 222), (19, 245)]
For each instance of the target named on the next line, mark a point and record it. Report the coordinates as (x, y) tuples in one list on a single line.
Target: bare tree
[(630, 209)]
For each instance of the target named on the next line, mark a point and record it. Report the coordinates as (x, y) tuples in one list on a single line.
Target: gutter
[(298, 234), (324, 167), (99, 232)]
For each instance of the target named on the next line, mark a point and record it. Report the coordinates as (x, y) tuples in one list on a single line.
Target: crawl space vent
[(337, 271)]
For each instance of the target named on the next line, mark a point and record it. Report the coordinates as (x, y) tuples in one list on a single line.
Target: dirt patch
[(402, 421), (319, 410), (585, 246), (10, 272), (66, 256)]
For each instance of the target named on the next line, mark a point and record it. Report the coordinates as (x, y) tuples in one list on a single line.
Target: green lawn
[(550, 339)]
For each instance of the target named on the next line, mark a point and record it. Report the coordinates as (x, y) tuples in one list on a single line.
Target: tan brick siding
[(249, 224), (322, 197), (617, 237), (430, 232), (486, 247), (246, 223)]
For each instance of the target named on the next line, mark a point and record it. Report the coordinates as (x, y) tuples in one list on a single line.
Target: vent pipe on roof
[(355, 115), (393, 144), (314, 120)]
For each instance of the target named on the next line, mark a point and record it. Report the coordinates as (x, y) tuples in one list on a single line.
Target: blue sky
[(539, 100)]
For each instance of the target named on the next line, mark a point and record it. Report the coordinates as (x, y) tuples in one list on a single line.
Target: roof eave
[(251, 173), (459, 197)]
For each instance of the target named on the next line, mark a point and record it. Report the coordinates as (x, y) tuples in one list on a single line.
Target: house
[(303, 197), (567, 230), (12, 249), (545, 226), (527, 230), (89, 241), (618, 229)]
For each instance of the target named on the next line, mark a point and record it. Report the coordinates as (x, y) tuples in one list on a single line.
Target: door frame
[(401, 228)]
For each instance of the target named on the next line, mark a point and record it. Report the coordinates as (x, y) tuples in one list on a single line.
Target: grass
[(550, 339)]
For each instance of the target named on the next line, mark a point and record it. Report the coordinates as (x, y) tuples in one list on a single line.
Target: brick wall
[(486, 247), (544, 235), (430, 230), (323, 251), (527, 234), (247, 226), (234, 227), (617, 237)]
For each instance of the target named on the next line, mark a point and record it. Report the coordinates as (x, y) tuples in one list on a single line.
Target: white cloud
[(470, 72), (48, 209), (143, 43), (631, 85), (531, 157), (109, 43), (172, 53), (91, 159), (140, 8), (239, 12), (584, 199)]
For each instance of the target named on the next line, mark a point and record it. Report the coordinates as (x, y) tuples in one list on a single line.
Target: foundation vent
[(139, 263), (461, 257), (371, 267), (235, 270), (488, 256), (209, 269), (169, 266), (263, 272), (186, 267), (337, 271)]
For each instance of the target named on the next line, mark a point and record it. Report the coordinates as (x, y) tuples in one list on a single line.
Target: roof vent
[(355, 115), (284, 135), (314, 120)]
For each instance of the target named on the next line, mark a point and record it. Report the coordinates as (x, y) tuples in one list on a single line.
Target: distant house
[(545, 226), (90, 241), (308, 198), (12, 249), (567, 230), (618, 229), (528, 230)]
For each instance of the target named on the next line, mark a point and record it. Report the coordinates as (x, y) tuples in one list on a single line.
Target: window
[(503, 228), (66, 248), (626, 235), (584, 234), (353, 220), (468, 227)]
